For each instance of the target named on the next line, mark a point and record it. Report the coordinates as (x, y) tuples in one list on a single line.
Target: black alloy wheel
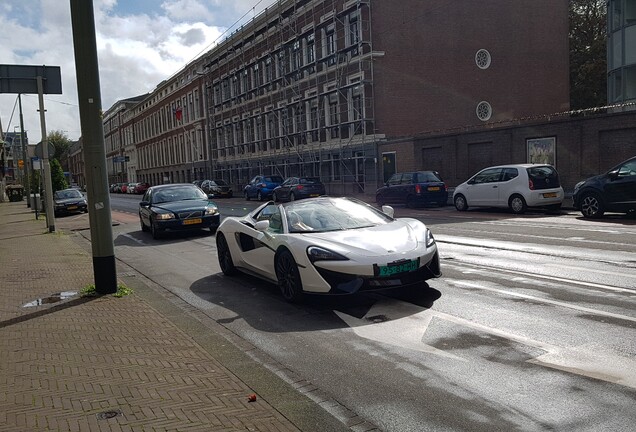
[(592, 205), (288, 277), (225, 257)]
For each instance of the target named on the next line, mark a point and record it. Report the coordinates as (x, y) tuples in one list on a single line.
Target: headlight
[(165, 216), (579, 184), (211, 210), (430, 240), (316, 253)]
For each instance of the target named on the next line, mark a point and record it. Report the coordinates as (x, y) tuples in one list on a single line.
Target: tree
[(58, 180), (588, 53), (61, 143)]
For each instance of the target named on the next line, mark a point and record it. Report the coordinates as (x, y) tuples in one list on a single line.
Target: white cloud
[(139, 44)]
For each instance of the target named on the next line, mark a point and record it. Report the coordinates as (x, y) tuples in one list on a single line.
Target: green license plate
[(397, 268), (191, 221)]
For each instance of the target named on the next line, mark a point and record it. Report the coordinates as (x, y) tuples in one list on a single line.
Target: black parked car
[(298, 187), (69, 201), (413, 189), (614, 191), (180, 206), (217, 187)]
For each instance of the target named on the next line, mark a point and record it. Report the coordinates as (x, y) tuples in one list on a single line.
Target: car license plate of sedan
[(314, 195), (397, 268), (73, 207), (192, 221), (550, 195), (433, 188)]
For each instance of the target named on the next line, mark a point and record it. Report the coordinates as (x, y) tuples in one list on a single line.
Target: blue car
[(262, 187)]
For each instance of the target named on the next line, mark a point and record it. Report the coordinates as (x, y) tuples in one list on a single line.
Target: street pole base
[(105, 274)]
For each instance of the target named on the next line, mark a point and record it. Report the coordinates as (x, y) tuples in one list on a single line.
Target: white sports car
[(328, 245)]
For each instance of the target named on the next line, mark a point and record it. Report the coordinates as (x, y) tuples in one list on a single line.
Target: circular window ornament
[(484, 111), (482, 58)]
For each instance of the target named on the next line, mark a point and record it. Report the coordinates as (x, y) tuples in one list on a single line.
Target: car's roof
[(164, 186), (516, 166)]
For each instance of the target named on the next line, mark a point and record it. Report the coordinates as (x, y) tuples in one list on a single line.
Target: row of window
[(290, 58)]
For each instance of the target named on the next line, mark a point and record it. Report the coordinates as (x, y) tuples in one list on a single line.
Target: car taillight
[(262, 185), (418, 189), (300, 187), (530, 184)]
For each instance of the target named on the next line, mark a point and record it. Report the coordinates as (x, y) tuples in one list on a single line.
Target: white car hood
[(397, 236)]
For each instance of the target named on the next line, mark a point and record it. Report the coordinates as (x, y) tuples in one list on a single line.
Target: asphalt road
[(532, 326)]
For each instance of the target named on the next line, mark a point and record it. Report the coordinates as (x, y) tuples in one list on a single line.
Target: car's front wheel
[(592, 205), (460, 203), (156, 232), (288, 277), (517, 204), (144, 228), (225, 257), (246, 195)]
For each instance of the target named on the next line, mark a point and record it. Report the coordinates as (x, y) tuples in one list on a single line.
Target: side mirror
[(144, 204), (613, 174), (210, 196), (261, 225), (388, 210)]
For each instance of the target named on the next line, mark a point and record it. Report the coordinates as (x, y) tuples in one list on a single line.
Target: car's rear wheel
[(292, 197), (225, 257), (259, 196), (592, 205), (144, 228), (274, 197), (517, 204), (460, 203), (288, 277), (246, 195)]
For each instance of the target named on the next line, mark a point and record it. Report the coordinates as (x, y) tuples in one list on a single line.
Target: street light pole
[(27, 186)]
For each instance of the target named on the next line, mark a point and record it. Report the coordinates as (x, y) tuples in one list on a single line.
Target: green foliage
[(34, 181), (91, 291), (57, 176), (61, 143), (588, 53)]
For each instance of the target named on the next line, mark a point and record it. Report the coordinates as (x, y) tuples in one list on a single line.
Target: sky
[(139, 42)]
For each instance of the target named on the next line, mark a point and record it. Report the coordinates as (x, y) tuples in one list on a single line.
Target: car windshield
[(331, 214), (67, 194), (220, 182), (425, 177), (273, 179), (179, 193)]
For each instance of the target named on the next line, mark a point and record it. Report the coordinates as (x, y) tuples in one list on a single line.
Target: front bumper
[(211, 221), (346, 283)]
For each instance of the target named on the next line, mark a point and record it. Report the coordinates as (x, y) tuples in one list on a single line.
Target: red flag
[(178, 113)]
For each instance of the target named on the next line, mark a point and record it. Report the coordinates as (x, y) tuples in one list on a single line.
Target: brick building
[(313, 87)]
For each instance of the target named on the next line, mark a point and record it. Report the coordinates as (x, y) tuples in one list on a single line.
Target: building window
[(354, 29), (484, 111), (311, 54), (482, 58)]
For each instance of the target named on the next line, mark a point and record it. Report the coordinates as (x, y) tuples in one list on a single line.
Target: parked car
[(514, 186), (413, 189), (123, 188), (180, 206), (131, 189), (141, 188), (217, 187), (262, 187), (328, 245), (613, 191), (197, 182), (295, 188), (69, 201)]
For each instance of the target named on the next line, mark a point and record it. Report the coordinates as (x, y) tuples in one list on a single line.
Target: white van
[(514, 186)]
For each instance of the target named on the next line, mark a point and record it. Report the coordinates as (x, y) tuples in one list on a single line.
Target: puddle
[(51, 299)]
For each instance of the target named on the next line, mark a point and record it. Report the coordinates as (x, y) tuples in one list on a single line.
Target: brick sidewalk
[(115, 364)]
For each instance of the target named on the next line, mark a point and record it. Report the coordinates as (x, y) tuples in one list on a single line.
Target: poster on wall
[(542, 150)]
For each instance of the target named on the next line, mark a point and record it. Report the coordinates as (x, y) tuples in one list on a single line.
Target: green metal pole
[(90, 107)]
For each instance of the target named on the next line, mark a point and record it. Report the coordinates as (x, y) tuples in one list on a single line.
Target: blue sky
[(139, 42)]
